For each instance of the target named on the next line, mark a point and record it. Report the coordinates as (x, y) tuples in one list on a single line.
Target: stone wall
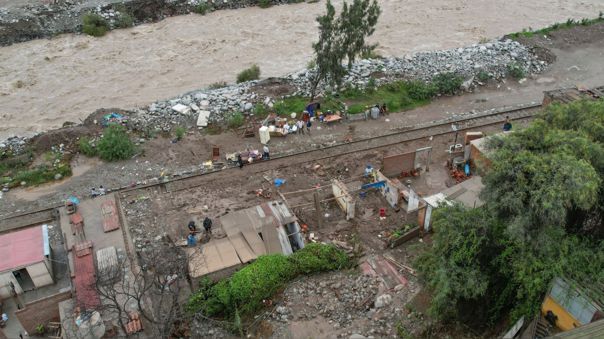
[(41, 311)]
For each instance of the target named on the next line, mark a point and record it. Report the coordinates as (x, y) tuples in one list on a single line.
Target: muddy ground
[(44, 83)]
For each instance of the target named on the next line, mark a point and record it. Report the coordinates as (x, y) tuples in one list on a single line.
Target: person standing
[(207, 225), (239, 161), (300, 125), (265, 153), (101, 190)]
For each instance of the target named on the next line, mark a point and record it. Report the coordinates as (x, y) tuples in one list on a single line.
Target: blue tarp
[(377, 184)]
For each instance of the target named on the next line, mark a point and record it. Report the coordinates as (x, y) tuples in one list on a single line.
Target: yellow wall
[(565, 320)]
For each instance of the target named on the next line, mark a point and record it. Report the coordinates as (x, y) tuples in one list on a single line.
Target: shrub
[(218, 84), (252, 73), (94, 24), (260, 110), (315, 258), (244, 291), (236, 120), (179, 132), (483, 76), (371, 85), (203, 8), (419, 90), (124, 20), (356, 109), (115, 144), (447, 83), (311, 64), (85, 146), (516, 71), (264, 3)]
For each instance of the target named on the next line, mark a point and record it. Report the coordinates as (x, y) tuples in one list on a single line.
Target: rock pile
[(492, 60), (12, 146)]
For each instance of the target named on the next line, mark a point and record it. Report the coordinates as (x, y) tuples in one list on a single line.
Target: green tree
[(115, 144), (341, 38), (542, 219), (461, 267)]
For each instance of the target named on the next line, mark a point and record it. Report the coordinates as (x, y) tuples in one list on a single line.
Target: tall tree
[(341, 38)]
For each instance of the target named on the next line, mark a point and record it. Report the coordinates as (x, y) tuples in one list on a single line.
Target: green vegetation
[(260, 110), (179, 132), (203, 8), (342, 38), (218, 84), (528, 33), (243, 293), (124, 20), (86, 147), (447, 83), (483, 76), (115, 144), (236, 120), (94, 24), (265, 3), (252, 73), (542, 218), (516, 71), (398, 96), (17, 169)]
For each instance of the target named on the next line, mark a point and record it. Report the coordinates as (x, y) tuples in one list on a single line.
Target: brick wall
[(41, 311)]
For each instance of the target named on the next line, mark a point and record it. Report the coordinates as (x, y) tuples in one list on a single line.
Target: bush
[(124, 20), (85, 146), (203, 8), (42, 174), (244, 291), (356, 109), (483, 76), (115, 144), (252, 73), (419, 90), (447, 83), (94, 24), (516, 71), (315, 258), (218, 84), (236, 120), (179, 132), (264, 3)]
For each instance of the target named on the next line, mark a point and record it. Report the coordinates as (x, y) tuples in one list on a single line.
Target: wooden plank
[(110, 217)]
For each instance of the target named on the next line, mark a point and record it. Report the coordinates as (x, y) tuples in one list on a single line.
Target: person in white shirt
[(265, 153)]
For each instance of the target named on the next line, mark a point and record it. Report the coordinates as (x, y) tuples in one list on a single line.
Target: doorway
[(24, 280)]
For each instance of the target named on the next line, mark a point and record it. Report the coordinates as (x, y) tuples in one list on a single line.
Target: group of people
[(95, 193)]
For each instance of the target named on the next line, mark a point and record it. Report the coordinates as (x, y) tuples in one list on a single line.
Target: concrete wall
[(40, 274), (390, 191), (41, 311), (5, 279), (343, 198)]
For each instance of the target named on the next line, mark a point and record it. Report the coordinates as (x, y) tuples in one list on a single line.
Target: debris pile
[(12, 146)]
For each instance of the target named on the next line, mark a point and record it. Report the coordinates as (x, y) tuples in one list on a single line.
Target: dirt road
[(44, 83)]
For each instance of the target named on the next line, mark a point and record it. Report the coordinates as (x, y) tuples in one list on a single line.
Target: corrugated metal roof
[(22, 248)]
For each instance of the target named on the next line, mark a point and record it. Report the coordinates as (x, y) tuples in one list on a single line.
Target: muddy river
[(44, 83)]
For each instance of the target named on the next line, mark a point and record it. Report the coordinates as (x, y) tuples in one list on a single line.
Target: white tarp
[(202, 118)]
